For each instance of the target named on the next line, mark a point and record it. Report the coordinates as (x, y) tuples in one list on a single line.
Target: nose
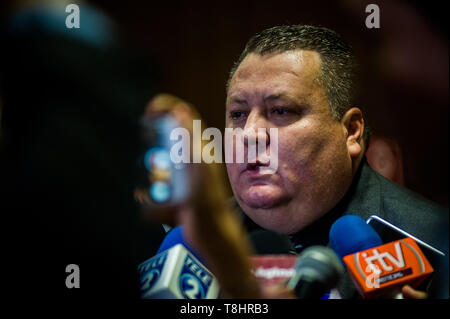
[(255, 132)]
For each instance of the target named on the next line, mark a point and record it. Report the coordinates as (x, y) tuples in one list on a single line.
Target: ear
[(353, 124)]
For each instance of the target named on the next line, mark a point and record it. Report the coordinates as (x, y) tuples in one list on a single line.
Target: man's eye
[(280, 111), (235, 115)]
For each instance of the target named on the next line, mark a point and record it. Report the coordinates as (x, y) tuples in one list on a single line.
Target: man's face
[(314, 166)]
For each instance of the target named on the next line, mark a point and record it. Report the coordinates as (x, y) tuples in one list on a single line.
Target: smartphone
[(165, 181), (389, 232), (437, 285)]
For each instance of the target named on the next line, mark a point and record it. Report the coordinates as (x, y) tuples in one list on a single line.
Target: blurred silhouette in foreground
[(71, 99)]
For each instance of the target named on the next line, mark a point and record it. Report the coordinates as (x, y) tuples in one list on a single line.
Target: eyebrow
[(271, 97), (237, 100), (279, 96), (283, 96), (268, 98)]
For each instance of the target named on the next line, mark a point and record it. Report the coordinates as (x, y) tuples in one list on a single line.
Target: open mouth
[(258, 169), (256, 166)]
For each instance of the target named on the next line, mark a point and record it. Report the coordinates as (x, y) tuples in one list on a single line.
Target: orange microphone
[(383, 270)]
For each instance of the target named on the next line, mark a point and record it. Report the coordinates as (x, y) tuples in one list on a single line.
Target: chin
[(273, 222), (263, 197), (281, 218)]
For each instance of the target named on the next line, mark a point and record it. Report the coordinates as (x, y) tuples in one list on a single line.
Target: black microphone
[(318, 269), (267, 242)]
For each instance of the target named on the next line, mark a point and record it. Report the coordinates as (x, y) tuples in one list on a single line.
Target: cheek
[(306, 154), (232, 171), (297, 149)]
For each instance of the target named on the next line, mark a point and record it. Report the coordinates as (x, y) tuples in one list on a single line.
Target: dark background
[(404, 63), (69, 113)]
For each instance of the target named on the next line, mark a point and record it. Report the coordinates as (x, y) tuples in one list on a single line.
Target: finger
[(410, 293), (277, 292), (183, 112)]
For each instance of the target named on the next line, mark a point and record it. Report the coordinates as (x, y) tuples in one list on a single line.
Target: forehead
[(292, 71)]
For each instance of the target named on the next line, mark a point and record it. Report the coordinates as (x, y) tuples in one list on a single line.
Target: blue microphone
[(176, 272), (350, 234), (174, 237)]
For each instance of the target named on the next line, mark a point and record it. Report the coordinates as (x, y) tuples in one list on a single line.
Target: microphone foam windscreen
[(350, 234), (174, 237)]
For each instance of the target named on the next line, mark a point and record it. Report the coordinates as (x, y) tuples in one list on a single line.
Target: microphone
[(318, 269), (274, 261), (266, 242), (377, 269), (176, 272), (350, 234), (174, 237)]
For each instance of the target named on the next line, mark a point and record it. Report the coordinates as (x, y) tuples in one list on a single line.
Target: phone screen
[(165, 181)]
